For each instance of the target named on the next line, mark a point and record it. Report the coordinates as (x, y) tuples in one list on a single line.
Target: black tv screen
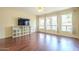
[(23, 21)]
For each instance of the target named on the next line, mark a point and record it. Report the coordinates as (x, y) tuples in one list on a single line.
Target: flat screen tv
[(23, 21)]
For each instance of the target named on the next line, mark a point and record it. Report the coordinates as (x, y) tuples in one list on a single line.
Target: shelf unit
[(18, 31)]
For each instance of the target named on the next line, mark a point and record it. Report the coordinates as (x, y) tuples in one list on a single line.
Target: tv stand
[(18, 31)]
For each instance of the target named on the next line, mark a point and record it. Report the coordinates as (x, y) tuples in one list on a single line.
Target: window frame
[(55, 24), (41, 26), (67, 25)]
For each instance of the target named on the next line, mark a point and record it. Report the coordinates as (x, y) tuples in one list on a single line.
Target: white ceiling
[(34, 11)]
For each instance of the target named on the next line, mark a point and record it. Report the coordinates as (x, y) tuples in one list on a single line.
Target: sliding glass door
[(48, 23)]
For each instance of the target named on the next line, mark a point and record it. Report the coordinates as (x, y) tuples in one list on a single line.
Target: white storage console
[(18, 31)]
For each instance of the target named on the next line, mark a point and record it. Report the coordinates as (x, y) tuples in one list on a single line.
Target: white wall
[(2, 33), (9, 17)]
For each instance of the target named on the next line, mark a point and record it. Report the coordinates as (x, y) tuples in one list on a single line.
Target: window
[(41, 23), (48, 25), (51, 23), (66, 23), (54, 23)]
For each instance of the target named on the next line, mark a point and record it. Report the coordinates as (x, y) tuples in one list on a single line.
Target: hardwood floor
[(40, 42)]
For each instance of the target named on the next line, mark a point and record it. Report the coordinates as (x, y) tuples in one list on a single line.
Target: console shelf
[(18, 31)]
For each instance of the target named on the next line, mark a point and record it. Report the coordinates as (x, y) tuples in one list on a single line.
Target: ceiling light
[(40, 9)]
